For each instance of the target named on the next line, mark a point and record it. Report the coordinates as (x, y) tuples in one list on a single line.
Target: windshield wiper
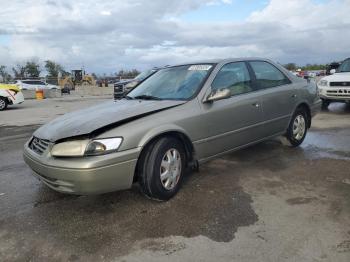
[(128, 97), (147, 97)]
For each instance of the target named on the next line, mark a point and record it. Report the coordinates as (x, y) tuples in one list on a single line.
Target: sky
[(106, 36)]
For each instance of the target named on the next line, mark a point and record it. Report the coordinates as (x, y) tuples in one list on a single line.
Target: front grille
[(339, 84), (339, 93), (118, 88), (38, 145)]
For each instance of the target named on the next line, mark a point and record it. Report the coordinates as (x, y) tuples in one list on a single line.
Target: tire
[(3, 103), (325, 103), (155, 182), (85, 83), (296, 132)]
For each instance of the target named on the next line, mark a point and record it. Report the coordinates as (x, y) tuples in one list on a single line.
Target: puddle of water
[(334, 142), (327, 145)]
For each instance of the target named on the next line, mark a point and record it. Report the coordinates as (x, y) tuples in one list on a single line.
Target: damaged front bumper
[(84, 175)]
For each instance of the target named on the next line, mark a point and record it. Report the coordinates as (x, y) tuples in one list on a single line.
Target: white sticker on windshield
[(199, 67)]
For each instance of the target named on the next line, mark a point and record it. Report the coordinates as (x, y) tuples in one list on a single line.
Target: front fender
[(160, 130)]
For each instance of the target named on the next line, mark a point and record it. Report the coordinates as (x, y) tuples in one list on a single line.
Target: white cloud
[(107, 13), (218, 2), (107, 35)]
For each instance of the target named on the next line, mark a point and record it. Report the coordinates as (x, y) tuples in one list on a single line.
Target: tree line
[(307, 67), (33, 69)]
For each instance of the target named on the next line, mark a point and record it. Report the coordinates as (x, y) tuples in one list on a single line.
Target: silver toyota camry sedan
[(173, 121)]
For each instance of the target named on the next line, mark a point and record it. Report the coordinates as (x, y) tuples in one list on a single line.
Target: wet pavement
[(268, 202)]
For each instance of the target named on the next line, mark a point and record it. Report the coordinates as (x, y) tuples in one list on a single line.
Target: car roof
[(223, 61)]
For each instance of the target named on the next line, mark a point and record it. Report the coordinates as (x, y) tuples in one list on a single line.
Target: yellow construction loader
[(77, 78)]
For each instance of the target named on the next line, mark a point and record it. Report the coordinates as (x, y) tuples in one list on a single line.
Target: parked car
[(34, 85), (179, 117), (10, 95), (336, 87), (119, 88), (123, 87), (332, 66), (312, 74)]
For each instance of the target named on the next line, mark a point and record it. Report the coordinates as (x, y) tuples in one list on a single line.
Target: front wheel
[(297, 128), (3, 103), (162, 168)]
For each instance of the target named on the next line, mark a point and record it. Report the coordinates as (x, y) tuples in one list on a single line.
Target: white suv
[(336, 87), (34, 85)]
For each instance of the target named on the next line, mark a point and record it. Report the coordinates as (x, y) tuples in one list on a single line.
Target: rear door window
[(267, 75)]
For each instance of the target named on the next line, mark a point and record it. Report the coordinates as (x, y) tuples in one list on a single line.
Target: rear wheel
[(297, 128), (161, 168), (3, 103)]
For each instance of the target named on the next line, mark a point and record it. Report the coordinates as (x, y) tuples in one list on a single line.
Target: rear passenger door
[(234, 121), (278, 96)]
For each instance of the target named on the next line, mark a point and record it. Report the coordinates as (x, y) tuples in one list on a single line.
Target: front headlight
[(86, 147), (70, 148), (323, 83), (103, 146)]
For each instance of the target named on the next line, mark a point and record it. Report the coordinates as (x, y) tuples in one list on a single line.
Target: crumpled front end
[(12, 93), (80, 175)]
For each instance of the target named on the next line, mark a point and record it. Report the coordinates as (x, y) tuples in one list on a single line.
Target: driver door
[(235, 121)]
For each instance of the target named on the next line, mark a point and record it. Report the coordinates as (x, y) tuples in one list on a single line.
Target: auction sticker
[(199, 67)]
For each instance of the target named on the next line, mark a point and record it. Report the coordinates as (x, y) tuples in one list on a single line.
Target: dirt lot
[(265, 203)]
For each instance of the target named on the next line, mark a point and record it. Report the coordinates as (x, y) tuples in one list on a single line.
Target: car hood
[(102, 116), (338, 77), (123, 82)]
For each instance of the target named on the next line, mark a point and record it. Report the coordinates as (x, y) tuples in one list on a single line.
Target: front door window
[(235, 77)]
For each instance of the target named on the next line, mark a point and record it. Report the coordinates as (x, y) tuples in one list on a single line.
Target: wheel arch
[(153, 136), (306, 107), (7, 100)]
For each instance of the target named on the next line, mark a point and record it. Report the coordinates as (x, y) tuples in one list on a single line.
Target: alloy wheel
[(170, 169), (299, 127)]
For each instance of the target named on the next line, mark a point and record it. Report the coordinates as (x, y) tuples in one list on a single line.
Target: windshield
[(345, 66), (174, 83), (144, 75)]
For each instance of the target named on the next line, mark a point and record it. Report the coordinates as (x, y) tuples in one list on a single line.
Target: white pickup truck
[(336, 87)]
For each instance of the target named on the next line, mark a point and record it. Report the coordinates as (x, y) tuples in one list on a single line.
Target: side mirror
[(218, 95), (332, 71)]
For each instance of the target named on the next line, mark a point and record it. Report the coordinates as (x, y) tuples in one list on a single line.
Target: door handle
[(256, 104), (294, 96)]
